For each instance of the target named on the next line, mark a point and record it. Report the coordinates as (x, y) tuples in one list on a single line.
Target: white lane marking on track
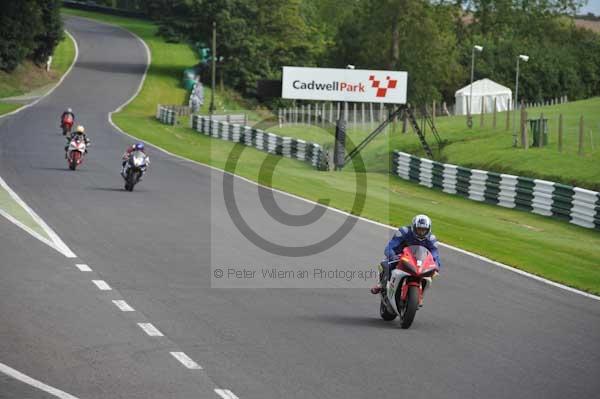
[(28, 229), (124, 306), (387, 226), (34, 383), (186, 361), (226, 394), (24, 107), (83, 267), (102, 285), (150, 329), (59, 245)]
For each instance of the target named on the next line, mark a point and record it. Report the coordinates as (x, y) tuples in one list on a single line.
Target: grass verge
[(537, 244)]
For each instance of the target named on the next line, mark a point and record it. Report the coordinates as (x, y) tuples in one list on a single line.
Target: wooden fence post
[(482, 111), (560, 133), (508, 115), (524, 141), (494, 115), (433, 113), (541, 132), (580, 150)]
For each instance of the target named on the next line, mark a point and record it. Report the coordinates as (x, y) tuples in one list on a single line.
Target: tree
[(28, 28)]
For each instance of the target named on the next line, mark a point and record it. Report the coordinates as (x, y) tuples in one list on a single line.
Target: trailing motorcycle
[(135, 167), (67, 125), (403, 294), (75, 152)]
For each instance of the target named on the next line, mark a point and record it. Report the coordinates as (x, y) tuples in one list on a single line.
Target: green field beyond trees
[(530, 242)]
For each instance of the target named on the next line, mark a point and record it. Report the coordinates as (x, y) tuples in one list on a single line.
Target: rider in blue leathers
[(418, 233)]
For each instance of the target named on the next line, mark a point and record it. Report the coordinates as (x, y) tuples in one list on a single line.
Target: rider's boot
[(377, 288)]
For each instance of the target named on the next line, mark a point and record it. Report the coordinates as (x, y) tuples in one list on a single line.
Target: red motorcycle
[(67, 124), (75, 152), (403, 294)]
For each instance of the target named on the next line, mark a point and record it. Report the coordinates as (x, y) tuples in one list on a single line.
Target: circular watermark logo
[(269, 204)]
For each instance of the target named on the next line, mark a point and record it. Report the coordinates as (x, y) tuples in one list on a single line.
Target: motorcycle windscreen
[(423, 257), (138, 158)]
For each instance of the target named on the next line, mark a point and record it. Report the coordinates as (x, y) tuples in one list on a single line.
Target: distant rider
[(68, 114), (78, 133), (130, 150), (418, 233)]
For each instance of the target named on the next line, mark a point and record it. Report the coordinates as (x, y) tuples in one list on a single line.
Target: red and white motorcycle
[(75, 152), (403, 293)]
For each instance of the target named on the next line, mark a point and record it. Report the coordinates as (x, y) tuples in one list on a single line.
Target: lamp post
[(470, 111), (525, 58), (211, 108)]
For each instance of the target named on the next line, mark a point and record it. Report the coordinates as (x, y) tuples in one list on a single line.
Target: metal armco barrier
[(286, 146), (573, 204), (166, 115)]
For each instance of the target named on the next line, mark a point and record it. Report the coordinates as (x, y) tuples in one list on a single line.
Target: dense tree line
[(28, 29), (432, 40)]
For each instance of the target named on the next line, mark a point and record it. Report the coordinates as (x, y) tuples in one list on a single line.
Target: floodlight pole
[(516, 102), (211, 108)]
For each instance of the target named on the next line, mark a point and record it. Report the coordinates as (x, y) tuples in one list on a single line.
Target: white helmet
[(421, 227)]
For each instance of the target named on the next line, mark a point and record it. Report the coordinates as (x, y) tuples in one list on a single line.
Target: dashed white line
[(34, 383), (150, 329), (186, 361), (124, 306), (102, 285), (83, 267), (226, 394)]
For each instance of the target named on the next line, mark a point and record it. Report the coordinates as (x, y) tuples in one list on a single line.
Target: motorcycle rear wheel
[(384, 313)]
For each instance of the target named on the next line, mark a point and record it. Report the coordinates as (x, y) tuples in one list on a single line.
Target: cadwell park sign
[(352, 85)]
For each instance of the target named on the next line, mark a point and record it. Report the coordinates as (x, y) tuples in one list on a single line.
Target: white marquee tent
[(485, 91)]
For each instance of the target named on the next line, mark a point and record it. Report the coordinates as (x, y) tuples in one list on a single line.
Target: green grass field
[(491, 149), (530, 242)]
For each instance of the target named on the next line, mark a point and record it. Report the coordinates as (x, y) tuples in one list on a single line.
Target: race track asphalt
[(484, 332)]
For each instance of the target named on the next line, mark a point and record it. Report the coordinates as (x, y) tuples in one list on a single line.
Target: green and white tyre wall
[(576, 205)]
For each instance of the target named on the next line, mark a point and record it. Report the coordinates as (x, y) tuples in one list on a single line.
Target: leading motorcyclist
[(65, 115), (418, 233), (139, 146)]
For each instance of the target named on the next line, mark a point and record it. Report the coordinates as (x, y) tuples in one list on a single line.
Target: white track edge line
[(31, 104), (34, 383), (480, 257), (59, 245)]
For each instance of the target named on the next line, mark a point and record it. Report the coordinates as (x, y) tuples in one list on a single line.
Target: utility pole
[(211, 109), (515, 103)]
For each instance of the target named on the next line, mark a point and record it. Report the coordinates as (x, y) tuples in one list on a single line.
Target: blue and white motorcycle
[(134, 169)]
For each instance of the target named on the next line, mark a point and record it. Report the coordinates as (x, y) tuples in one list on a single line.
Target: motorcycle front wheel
[(409, 308), (75, 155)]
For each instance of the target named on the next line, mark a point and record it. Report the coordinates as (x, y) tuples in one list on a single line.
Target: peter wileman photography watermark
[(245, 276)]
